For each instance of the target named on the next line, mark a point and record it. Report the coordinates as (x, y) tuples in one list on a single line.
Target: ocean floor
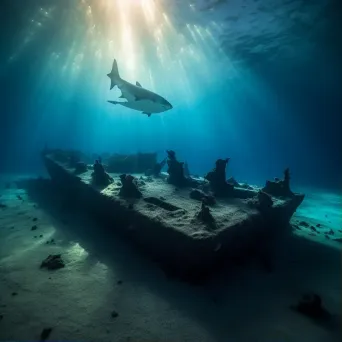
[(108, 291)]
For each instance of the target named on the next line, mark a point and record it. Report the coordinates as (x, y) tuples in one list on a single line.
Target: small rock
[(311, 305), (34, 219), (35, 236), (14, 294), (330, 232), (313, 228), (20, 198), (119, 282), (304, 224), (312, 234), (340, 230), (53, 262), (1, 317), (327, 236), (45, 334), (3, 206), (41, 236), (34, 227), (338, 240), (296, 227), (130, 206), (318, 225), (114, 314), (162, 198)]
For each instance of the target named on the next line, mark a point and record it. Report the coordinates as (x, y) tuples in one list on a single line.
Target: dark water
[(257, 81)]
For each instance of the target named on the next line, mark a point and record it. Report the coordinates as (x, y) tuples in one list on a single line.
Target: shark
[(137, 97)]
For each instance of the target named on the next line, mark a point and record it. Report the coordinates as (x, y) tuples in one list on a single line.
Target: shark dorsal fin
[(138, 84)]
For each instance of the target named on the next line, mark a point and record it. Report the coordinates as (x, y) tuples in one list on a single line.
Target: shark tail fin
[(114, 75)]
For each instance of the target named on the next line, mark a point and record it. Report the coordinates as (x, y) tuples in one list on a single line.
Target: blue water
[(256, 81)]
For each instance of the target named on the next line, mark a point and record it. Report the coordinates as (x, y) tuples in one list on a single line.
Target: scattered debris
[(53, 262), (313, 229), (34, 227), (45, 334), (114, 314), (310, 305)]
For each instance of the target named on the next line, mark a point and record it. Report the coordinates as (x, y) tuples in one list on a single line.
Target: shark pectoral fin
[(148, 114), (113, 102), (138, 84)]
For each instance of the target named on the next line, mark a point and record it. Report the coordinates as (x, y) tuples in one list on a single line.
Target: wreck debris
[(80, 168), (175, 170), (99, 176), (53, 262), (129, 188), (279, 188), (217, 179), (200, 195)]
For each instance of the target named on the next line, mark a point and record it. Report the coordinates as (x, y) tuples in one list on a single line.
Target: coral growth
[(217, 179), (129, 187), (279, 188), (99, 175)]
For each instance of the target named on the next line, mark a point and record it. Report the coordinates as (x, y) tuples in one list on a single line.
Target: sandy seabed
[(108, 291)]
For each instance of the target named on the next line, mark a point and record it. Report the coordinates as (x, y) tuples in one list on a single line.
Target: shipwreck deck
[(165, 224)]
